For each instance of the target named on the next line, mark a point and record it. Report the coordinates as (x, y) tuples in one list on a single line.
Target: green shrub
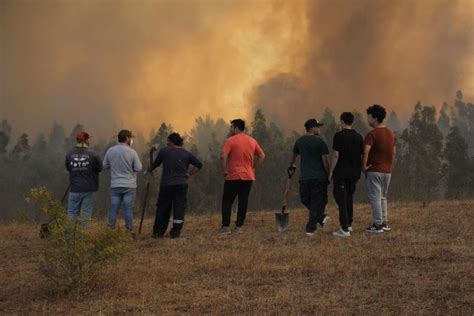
[(72, 255)]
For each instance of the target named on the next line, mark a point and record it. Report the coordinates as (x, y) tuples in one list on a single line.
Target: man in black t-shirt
[(84, 166), (314, 174), (346, 166)]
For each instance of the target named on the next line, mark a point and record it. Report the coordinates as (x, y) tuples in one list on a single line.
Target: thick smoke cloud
[(111, 64), (376, 51)]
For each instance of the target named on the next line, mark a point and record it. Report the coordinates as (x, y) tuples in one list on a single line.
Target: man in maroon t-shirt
[(379, 153)]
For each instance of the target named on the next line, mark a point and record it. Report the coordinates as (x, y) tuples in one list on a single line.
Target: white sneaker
[(385, 227), (350, 229), (375, 229), (225, 230), (341, 233), (310, 234), (325, 223)]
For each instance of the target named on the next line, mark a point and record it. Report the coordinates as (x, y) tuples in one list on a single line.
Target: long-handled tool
[(152, 151), (65, 194), (44, 228), (282, 217)]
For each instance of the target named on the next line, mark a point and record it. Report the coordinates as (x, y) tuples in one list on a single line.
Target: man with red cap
[(84, 166)]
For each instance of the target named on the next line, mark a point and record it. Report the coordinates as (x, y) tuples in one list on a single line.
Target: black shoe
[(175, 233), (157, 235), (385, 227), (377, 229)]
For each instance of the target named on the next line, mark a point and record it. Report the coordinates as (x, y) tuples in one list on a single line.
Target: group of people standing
[(240, 156), (351, 155)]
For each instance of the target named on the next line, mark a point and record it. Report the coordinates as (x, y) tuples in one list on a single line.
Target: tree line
[(434, 160)]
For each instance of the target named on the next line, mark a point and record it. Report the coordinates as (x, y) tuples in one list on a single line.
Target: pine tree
[(260, 130), (200, 134), (272, 174), (262, 136), (151, 136), (21, 151), (5, 132), (393, 122), (360, 124), (329, 128), (140, 144), (470, 122), (460, 115), (159, 139), (471, 177), (423, 154), (463, 117), (71, 140), (57, 138), (456, 168), (40, 147), (444, 123), (400, 184), (205, 189)]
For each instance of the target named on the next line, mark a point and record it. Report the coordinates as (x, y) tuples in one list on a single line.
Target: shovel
[(282, 217)]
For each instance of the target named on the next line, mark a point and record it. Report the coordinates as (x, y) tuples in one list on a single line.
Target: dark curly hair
[(377, 111)]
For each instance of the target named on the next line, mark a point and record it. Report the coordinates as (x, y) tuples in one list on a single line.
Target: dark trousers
[(173, 197), (344, 190), (233, 188), (314, 195)]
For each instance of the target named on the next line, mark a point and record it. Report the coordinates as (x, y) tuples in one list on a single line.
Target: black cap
[(312, 123)]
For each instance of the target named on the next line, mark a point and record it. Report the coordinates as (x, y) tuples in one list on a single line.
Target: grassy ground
[(424, 266)]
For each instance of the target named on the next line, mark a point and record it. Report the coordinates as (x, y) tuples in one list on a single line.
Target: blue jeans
[(81, 204), (117, 197)]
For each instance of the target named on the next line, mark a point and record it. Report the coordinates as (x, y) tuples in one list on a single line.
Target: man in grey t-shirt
[(314, 174), (123, 162)]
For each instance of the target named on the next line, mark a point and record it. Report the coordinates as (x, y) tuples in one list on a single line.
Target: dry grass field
[(424, 265)]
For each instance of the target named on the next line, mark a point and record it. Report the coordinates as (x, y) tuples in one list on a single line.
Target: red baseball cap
[(82, 136)]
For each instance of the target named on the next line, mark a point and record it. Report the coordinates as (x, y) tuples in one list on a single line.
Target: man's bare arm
[(293, 160), (325, 159), (224, 163), (259, 160), (334, 159), (192, 170), (367, 149)]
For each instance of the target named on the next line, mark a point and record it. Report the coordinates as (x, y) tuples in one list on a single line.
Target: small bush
[(73, 256)]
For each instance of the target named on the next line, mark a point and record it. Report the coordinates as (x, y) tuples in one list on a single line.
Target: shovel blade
[(281, 221)]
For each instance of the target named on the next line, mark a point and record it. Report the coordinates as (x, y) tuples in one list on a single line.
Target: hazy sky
[(111, 64)]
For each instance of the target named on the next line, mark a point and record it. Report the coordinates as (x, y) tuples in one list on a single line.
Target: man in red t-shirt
[(379, 153), (237, 160)]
